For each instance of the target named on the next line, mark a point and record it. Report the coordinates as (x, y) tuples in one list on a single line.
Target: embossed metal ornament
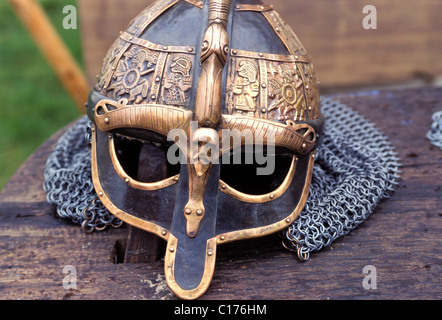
[(189, 79)]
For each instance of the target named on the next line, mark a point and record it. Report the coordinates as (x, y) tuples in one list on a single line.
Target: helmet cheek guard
[(205, 134)]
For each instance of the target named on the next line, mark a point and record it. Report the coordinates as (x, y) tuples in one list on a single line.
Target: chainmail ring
[(355, 168), (68, 181), (435, 133)]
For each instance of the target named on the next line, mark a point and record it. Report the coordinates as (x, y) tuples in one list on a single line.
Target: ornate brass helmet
[(206, 118)]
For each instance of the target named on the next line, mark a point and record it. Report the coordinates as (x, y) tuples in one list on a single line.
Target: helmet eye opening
[(244, 178), (144, 162)]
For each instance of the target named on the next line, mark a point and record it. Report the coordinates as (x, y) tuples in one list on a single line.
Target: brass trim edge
[(225, 188), (270, 229), (270, 56), (285, 135), (196, 3), (120, 214), (285, 33), (156, 47), (169, 269), (110, 115), (133, 183), (151, 13), (253, 7)]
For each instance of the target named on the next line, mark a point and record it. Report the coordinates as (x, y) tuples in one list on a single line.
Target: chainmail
[(435, 133), (355, 168), (68, 181)]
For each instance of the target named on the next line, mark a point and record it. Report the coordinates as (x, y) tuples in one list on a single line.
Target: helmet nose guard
[(196, 250)]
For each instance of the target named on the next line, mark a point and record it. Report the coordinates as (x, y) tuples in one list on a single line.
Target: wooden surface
[(405, 47), (402, 238)]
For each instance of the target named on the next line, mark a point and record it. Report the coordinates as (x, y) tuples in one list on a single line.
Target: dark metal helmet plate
[(204, 83)]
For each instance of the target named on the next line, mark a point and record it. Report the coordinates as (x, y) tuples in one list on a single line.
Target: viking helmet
[(206, 117)]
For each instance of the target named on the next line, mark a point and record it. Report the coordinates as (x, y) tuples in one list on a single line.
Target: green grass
[(33, 103)]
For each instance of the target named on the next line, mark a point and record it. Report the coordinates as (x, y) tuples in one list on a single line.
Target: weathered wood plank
[(401, 238), (406, 45)]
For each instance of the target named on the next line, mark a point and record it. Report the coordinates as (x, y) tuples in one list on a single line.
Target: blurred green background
[(33, 103)]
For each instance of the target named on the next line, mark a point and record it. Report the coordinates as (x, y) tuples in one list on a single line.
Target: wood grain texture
[(401, 238), (406, 45)]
